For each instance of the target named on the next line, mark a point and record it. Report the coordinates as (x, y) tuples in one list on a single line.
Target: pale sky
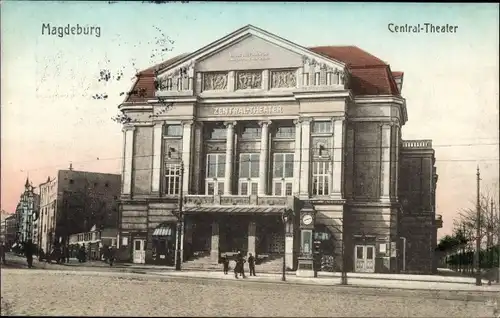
[(49, 118)]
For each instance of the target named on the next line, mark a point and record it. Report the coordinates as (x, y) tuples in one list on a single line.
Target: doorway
[(139, 252), (364, 258)]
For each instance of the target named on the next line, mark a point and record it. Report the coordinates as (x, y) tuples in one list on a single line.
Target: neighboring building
[(265, 127), (74, 201), (417, 191), (10, 230), (3, 230), (27, 214)]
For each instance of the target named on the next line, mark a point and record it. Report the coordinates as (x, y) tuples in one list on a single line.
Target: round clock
[(307, 219)]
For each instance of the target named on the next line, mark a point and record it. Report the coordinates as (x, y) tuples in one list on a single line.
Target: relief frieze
[(249, 80), (215, 146), (283, 145), (283, 79), (322, 146), (214, 81)]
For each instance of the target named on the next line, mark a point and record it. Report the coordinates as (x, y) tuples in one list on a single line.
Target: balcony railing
[(235, 200), (417, 144)]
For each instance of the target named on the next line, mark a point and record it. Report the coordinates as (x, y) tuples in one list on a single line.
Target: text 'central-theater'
[(281, 146)]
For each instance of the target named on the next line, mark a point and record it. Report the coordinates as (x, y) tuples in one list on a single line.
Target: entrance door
[(139, 253), (364, 258)]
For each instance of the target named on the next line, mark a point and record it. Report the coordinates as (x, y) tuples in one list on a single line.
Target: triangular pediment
[(250, 48)]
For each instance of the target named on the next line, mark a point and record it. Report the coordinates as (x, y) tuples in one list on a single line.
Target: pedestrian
[(251, 264), (29, 251), (111, 255), (225, 263), (2, 252), (240, 265)]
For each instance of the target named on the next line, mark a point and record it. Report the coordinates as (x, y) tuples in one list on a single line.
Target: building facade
[(252, 128), (27, 214), (74, 202), (10, 230)]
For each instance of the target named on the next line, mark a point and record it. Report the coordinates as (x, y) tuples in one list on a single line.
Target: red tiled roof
[(370, 75)]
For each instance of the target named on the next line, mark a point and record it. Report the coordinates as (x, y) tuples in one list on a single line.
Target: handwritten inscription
[(249, 56), (249, 110)]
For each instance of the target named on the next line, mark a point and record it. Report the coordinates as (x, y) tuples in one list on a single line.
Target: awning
[(163, 230), (234, 210)]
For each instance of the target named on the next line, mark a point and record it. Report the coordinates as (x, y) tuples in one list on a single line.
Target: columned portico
[(228, 180), (297, 154), (251, 237), (338, 157), (157, 140), (128, 132), (305, 157), (186, 154), (214, 246), (385, 161), (263, 162)]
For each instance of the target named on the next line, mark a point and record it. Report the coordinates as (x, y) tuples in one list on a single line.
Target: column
[(186, 154), (385, 161), (296, 157), (338, 157), (289, 245), (251, 237), (198, 162), (128, 154), (228, 180), (263, 160), (397, 131), (305, 158), (157, 140), (214, 247)]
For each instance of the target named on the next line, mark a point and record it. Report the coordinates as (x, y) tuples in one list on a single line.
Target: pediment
[(251, 52), (250, 48)]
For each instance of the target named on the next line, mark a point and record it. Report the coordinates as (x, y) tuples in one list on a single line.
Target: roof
[(369, 74)]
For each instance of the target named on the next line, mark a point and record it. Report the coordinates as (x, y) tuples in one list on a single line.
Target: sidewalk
[(378, 282)]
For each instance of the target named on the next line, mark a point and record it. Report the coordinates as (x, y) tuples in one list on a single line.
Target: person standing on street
[(2, 252), (29, 251), (251, 264), (111, 255), (225, 263), (240, 265)]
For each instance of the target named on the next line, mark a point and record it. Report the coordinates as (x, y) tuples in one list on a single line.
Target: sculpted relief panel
[(214, 81), (249, 80), (283, 79)]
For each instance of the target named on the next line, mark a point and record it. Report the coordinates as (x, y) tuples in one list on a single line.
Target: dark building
[(74, 202), (10, 230), (418, 220)]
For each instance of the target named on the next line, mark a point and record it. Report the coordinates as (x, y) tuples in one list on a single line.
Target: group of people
[(239, 268)]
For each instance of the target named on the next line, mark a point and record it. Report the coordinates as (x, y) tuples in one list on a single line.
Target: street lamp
[(180, 224), (285, 217)]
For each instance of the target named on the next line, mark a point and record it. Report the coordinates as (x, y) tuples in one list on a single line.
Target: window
[(283, 174), (285, 132), (217, 133), (322, 127), (316, 78), (321, 177), (249, 174), (306, 79), (216, 170), (172, 179), (331, 79), (251, 132), (174, 130)]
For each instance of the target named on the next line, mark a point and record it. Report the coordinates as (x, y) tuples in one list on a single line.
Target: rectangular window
[(179, 84), (322, 127), (253, 132), (283, 174), (306, 79), (285, 132), (216, 170), (173, 131), (172, 179), (249, 174), (169, 84), (321, 177), (217, 133), (316, 78)]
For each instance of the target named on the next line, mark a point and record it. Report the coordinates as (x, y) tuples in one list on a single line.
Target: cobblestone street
[(84, 293)]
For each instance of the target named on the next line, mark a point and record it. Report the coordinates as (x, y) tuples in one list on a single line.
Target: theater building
[(265, 128)]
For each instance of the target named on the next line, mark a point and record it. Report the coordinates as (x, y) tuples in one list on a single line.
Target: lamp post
[(178, 260), (285, 220), (478, 232)]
